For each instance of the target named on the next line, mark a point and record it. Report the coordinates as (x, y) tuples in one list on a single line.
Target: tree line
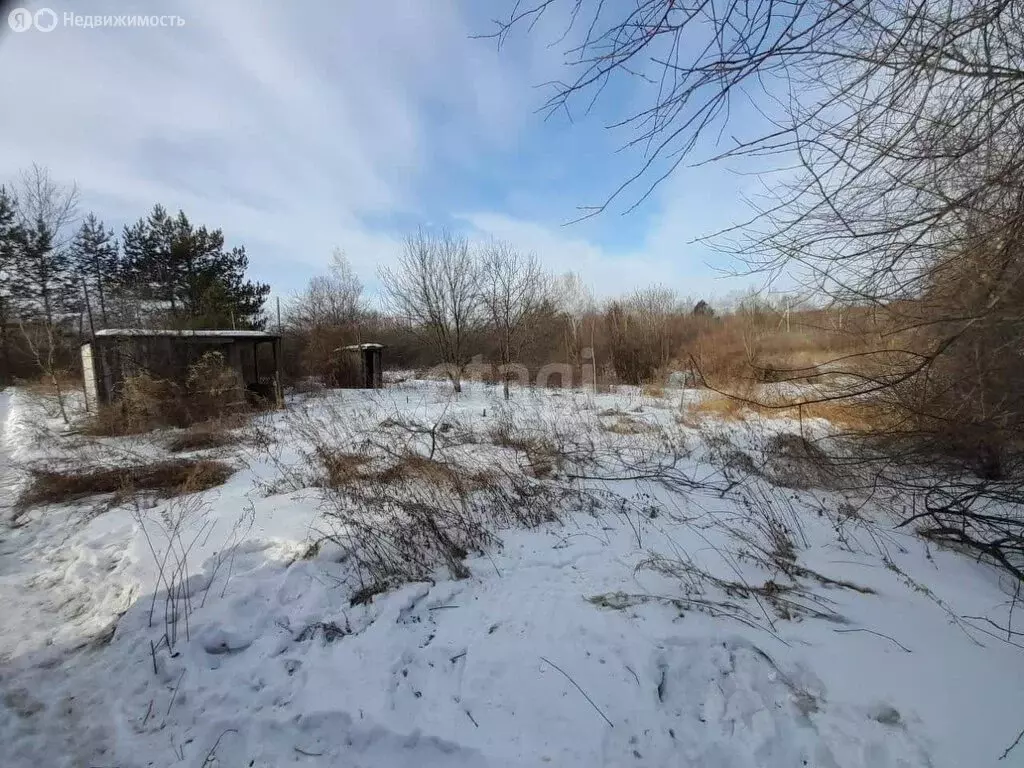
[(64, 275), (447, 301)]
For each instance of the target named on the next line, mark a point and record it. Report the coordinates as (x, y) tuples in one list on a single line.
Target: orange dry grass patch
[(845, 413)]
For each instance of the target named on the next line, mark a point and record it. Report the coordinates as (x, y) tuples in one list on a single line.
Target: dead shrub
[(793, 461), (163, 479), (200, 440), (851, 415), (61, 381), (144, 405), (402, 498), (627, 425), (213, 389), (771, 585), (413, 468), (653, 390), (345, 470), (396, 527), (543, 457), (341, 468), (209, 434), (210, 392)]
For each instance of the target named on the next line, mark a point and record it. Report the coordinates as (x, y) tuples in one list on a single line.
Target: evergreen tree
[(94, 255), (42, 279), (9, 237), (147, 259), (187, 270)]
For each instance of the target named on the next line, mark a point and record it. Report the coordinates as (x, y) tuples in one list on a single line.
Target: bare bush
[(212, 393), (172, 533), (401, 508), (755, 576), (329, 314), (206, 435), (898, 128), (162, 479), (514, 293), (436, 288)]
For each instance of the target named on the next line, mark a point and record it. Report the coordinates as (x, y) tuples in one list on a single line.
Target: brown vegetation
[(860, 417), (212, 393), (163, 479), (208, 434)]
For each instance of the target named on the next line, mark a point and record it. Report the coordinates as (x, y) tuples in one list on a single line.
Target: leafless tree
[(44, 287), (514, 291), (46, 210), (435, 287), (327, 315), (331, 300), (575, 301), (657, 308), (898, 130)]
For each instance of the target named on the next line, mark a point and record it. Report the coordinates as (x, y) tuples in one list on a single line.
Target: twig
[(630, 670), (1009, 620), (880, 634), (602, 714), (175, 694), (1009, 749), (213, 749), (1009, 632), (308, 754), (494, 564), (471, 718), (152, 653)]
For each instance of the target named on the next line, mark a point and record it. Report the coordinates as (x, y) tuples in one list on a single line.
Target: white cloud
[(284, 124), (293, 126)]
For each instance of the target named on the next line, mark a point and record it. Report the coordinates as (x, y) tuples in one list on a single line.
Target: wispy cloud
[(302, 126)]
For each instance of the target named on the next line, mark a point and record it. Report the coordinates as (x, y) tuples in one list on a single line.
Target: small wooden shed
[(364, 365), (118, 353)]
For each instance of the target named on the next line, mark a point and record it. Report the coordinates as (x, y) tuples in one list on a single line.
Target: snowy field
[(654, 591)]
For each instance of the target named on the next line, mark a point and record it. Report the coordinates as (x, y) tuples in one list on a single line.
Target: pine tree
[(42, 278), (146, 264), (9, 238), (187, 270), (94, 255)]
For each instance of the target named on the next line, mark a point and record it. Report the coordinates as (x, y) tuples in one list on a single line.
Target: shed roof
[(196, 334), (364, 345)]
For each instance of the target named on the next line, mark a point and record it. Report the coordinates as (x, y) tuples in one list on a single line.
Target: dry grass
[(627, 425), (209, 434), (66, 381), (795, 462), (542, 455), (845, 414), (211, 393), (343, 469), (200, 440), (653, 390), (163, 479)]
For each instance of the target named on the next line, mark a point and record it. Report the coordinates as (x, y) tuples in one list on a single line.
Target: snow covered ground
[(643, 628)]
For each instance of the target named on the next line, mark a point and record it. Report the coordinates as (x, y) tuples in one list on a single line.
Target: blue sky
[(303, 126)]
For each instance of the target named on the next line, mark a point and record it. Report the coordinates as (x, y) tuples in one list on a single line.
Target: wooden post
[(278, 395)]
